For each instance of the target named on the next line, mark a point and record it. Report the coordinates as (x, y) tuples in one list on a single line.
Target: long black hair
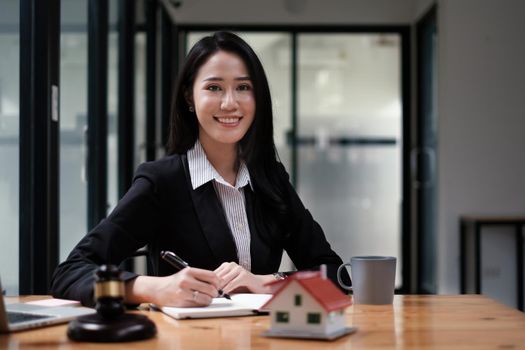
[(257, 147)]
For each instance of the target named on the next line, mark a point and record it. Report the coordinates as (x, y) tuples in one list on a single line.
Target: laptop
[(21, 316)]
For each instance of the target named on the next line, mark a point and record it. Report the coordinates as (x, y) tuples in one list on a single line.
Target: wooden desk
[(412, 322)]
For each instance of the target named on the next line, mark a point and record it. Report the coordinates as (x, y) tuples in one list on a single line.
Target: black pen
[(180, 264)]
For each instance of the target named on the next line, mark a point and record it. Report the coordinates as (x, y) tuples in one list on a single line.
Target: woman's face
[(223, 99)]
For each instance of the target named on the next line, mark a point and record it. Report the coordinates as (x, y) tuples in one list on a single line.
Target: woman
[(220, 199)]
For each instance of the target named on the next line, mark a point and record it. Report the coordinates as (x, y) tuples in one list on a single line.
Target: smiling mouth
[(228, 120)]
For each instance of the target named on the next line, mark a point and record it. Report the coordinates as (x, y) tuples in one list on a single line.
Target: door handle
[(419, 159)]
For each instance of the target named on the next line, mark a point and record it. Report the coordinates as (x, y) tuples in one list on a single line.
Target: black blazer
[(162, 210)]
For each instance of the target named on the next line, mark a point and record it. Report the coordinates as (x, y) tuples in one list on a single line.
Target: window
[(298, 300), (73, 124), (350, 129), (313, 318), (9, 144), (112, 108), (282, 317)]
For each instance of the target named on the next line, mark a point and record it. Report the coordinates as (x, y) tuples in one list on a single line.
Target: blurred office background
[(392, 118)]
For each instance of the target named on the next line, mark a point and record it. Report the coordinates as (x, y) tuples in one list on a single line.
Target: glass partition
[(112, 107), (140, 99), (349, 133), (9, 143), (73, 124)]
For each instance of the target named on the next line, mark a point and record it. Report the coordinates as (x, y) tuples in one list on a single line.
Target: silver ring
[(194, 295)]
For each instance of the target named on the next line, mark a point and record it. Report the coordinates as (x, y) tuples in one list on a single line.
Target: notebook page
[(241, 304)]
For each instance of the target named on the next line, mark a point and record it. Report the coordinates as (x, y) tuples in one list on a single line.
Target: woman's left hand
[(237, 279)]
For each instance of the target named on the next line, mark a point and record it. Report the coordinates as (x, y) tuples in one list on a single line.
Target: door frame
[(424, 160)]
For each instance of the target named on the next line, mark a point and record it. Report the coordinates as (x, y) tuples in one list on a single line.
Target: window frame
[(39, 132), (314, 318), (298, 299), (282, 317)]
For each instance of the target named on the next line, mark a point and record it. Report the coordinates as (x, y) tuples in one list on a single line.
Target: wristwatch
[(279, 276)]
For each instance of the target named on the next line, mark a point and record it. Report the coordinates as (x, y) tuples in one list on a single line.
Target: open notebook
[(240, 305)]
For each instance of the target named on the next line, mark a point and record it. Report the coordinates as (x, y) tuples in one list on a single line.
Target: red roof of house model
[(321, 289)]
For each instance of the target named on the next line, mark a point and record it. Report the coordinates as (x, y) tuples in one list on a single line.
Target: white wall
[(295, 11), (481, 124)]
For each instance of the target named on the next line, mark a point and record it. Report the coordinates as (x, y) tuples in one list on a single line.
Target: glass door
[(73, 124), (9, 144), (349, 137)]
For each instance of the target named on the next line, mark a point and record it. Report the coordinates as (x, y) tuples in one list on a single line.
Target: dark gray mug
[(373, 279)]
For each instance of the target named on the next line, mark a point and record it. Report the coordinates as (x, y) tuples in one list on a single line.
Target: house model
[(308, 305)]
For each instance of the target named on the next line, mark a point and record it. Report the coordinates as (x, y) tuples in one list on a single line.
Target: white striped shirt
[(231, 197)]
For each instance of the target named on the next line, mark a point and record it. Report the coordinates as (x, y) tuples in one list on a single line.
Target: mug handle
[(341, 283)]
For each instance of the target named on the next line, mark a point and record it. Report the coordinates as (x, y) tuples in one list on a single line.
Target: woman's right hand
[(189, 287)]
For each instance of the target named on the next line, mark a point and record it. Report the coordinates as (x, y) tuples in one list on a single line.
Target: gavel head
[(111, 323), (109, 292)]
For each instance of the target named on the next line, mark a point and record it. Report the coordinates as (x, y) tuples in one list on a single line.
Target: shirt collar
[(202, 171)]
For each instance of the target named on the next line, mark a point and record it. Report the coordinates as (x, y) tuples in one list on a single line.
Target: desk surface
[(412, 322)]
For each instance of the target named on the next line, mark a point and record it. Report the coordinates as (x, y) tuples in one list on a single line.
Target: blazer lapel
[(259, 250), (211, 218)]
